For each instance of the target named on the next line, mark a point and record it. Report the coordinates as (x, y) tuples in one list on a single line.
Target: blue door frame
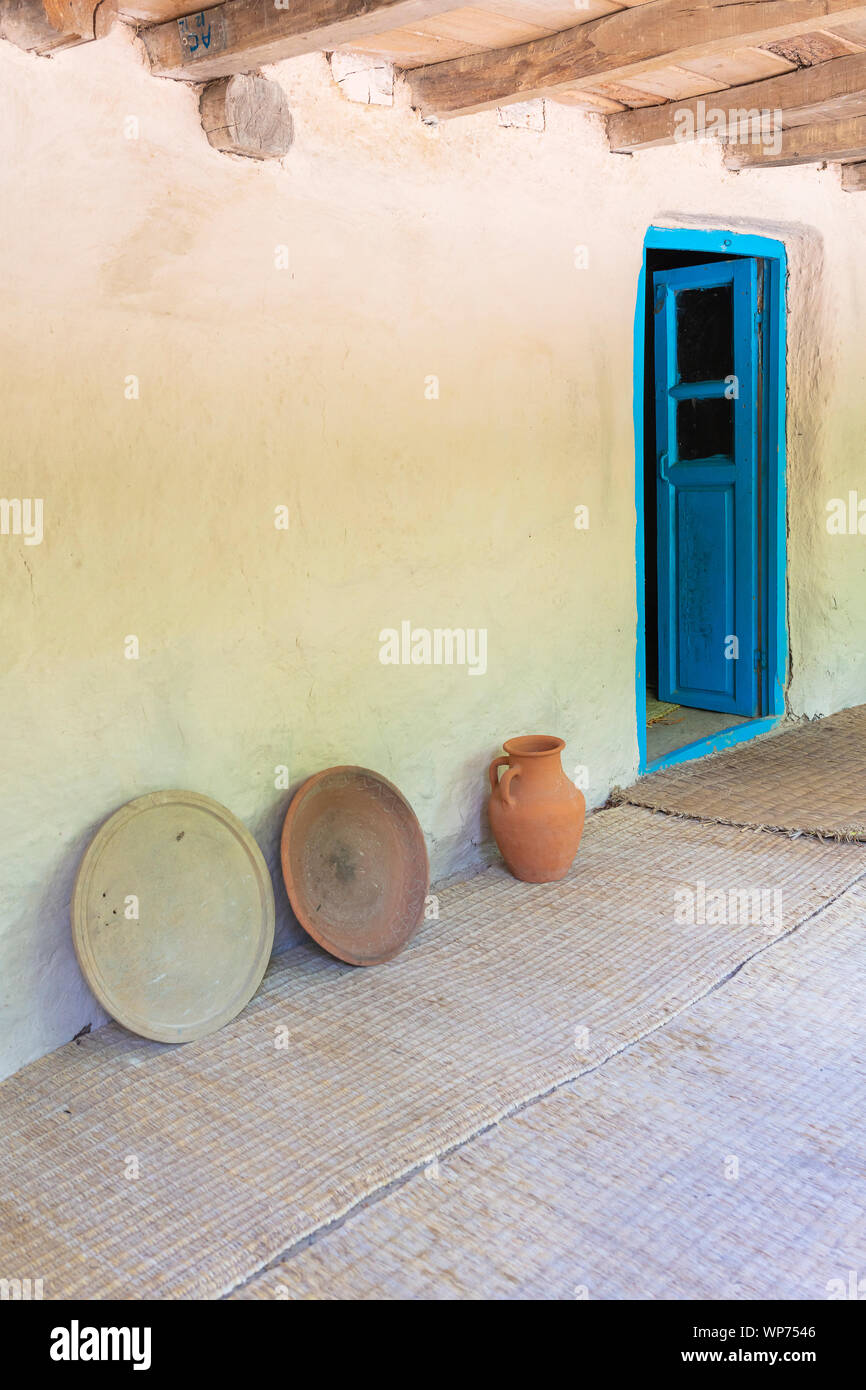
[(772, 253)]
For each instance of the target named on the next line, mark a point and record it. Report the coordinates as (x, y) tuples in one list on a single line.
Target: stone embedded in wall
[(523, 115), (361, 78)]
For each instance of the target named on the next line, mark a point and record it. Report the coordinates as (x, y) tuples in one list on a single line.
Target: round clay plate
[(196, 951), (355, 864)]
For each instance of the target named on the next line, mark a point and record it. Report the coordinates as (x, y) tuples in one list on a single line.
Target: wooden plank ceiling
[(640, 63)]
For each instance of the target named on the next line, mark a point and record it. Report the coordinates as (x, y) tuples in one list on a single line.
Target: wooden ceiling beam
[(247, 115), (617, 46), (43, 26), (802, 144), (825, 91), (241, 35), (854, 178)]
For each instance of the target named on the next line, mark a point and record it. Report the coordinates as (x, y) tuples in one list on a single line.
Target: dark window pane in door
[(705, 428), (705, 334)]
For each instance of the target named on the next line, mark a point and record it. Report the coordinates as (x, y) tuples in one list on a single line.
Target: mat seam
[(323, 1228), (824, 837)]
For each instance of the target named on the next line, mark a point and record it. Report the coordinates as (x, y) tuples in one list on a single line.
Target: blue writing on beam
[(188, 38)]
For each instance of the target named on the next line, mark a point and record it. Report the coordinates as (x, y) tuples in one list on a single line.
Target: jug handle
[(507, 778)]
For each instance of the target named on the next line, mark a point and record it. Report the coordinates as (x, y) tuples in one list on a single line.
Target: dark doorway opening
[(677, 713)]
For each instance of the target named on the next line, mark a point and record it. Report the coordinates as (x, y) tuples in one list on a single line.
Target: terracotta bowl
[(355, 864)]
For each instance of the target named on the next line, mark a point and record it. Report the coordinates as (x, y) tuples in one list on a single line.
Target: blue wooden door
[(708, 456)]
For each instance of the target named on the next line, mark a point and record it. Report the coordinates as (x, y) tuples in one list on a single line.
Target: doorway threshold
[(684, 724), (714, 743)]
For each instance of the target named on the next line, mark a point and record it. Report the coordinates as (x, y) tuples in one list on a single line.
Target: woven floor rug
[(658, 709), (810, 779), (130, 1168), (720, 1158)]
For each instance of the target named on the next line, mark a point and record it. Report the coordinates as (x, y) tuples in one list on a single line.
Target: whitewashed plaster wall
[(411, 253)]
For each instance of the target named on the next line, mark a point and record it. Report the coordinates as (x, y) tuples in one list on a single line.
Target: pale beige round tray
[(173, 916)]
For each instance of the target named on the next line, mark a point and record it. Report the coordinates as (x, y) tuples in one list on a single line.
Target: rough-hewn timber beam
[(802, 144), (42, 26), (240, 35), (821, 92), (247, 114), (854, 178), (615, 47)]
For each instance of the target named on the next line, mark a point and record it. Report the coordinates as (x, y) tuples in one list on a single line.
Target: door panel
[(708, 460), (704, 541)]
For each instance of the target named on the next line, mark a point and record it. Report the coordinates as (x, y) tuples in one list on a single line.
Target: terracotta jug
[(536, 813)]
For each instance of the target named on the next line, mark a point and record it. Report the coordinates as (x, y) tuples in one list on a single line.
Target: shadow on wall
[(267, 830), (49, 979)]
